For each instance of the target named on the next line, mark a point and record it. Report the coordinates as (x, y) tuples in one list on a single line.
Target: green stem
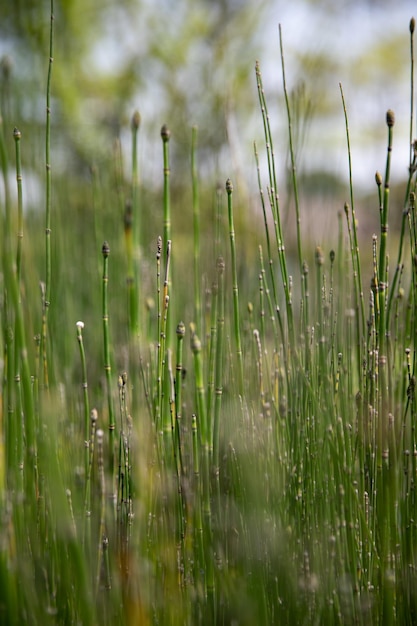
[(382, 268), (236, 316), (196, 223), (48, 254), (107, 361)]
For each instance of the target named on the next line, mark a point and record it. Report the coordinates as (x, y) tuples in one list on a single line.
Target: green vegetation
[(233, 439)]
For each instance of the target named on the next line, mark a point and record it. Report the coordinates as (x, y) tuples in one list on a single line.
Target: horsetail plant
[(272, 483), (196, 225), (132, 232), (236, 314), (46, 300), (105, 250)]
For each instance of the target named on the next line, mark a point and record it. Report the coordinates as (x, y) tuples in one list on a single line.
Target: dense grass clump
[(186, 439)]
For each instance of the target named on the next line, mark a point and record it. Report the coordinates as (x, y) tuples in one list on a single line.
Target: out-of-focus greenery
[(250, 456)]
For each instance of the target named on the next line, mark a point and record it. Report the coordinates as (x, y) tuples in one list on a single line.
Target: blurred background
[(191, 62)]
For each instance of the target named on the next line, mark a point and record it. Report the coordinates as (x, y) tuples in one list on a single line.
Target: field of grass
[(199, 426)]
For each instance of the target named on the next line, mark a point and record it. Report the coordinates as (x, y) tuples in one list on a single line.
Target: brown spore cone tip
[(136, 120), (390, 118), (412, 25), (105, 249), (165, 133)]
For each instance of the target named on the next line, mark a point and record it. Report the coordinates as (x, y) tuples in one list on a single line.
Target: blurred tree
[(185, 62)]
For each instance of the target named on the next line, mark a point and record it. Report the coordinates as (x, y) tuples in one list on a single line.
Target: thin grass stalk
[(199, 556), (102, 523), (356, 263), (321, 339), (48, 207), (179, 372), (274, 204), (268, 240), (205, 468), (7, 458), (87, 499), (196, 226), (211, 363), (84, 383), (166, 135), (178, 450), (382, 267), (218, 364), (132, 233), (412, 26), (15, 421), (17, 135), (179, 502), (236, 314), (411, 172), (107, 360), (349, 221), (159, 377), (293, 168), (262, 331), (166, 421), (124, 500), (87, 442)]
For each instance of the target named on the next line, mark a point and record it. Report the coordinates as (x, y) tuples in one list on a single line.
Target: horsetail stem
[(274, 205), (211, 362), (236, 315), (132, 233), (199, 382), (321, 339), (293, 164), (102, 523), (158, 390), (87, 499), (135, 125), (179, 371), (411, 173), (219, 361), (166, 135), (412, 26), (196, 225), (17, 135), (382, 268), (48, 206), (107, 361), (163, 340), (80, 326), (360, 304), (205, 449)]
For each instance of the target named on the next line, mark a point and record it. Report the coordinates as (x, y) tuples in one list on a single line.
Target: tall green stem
[(196, 224), (107, 362), (382, 268), (236, 315), (48, 262)]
